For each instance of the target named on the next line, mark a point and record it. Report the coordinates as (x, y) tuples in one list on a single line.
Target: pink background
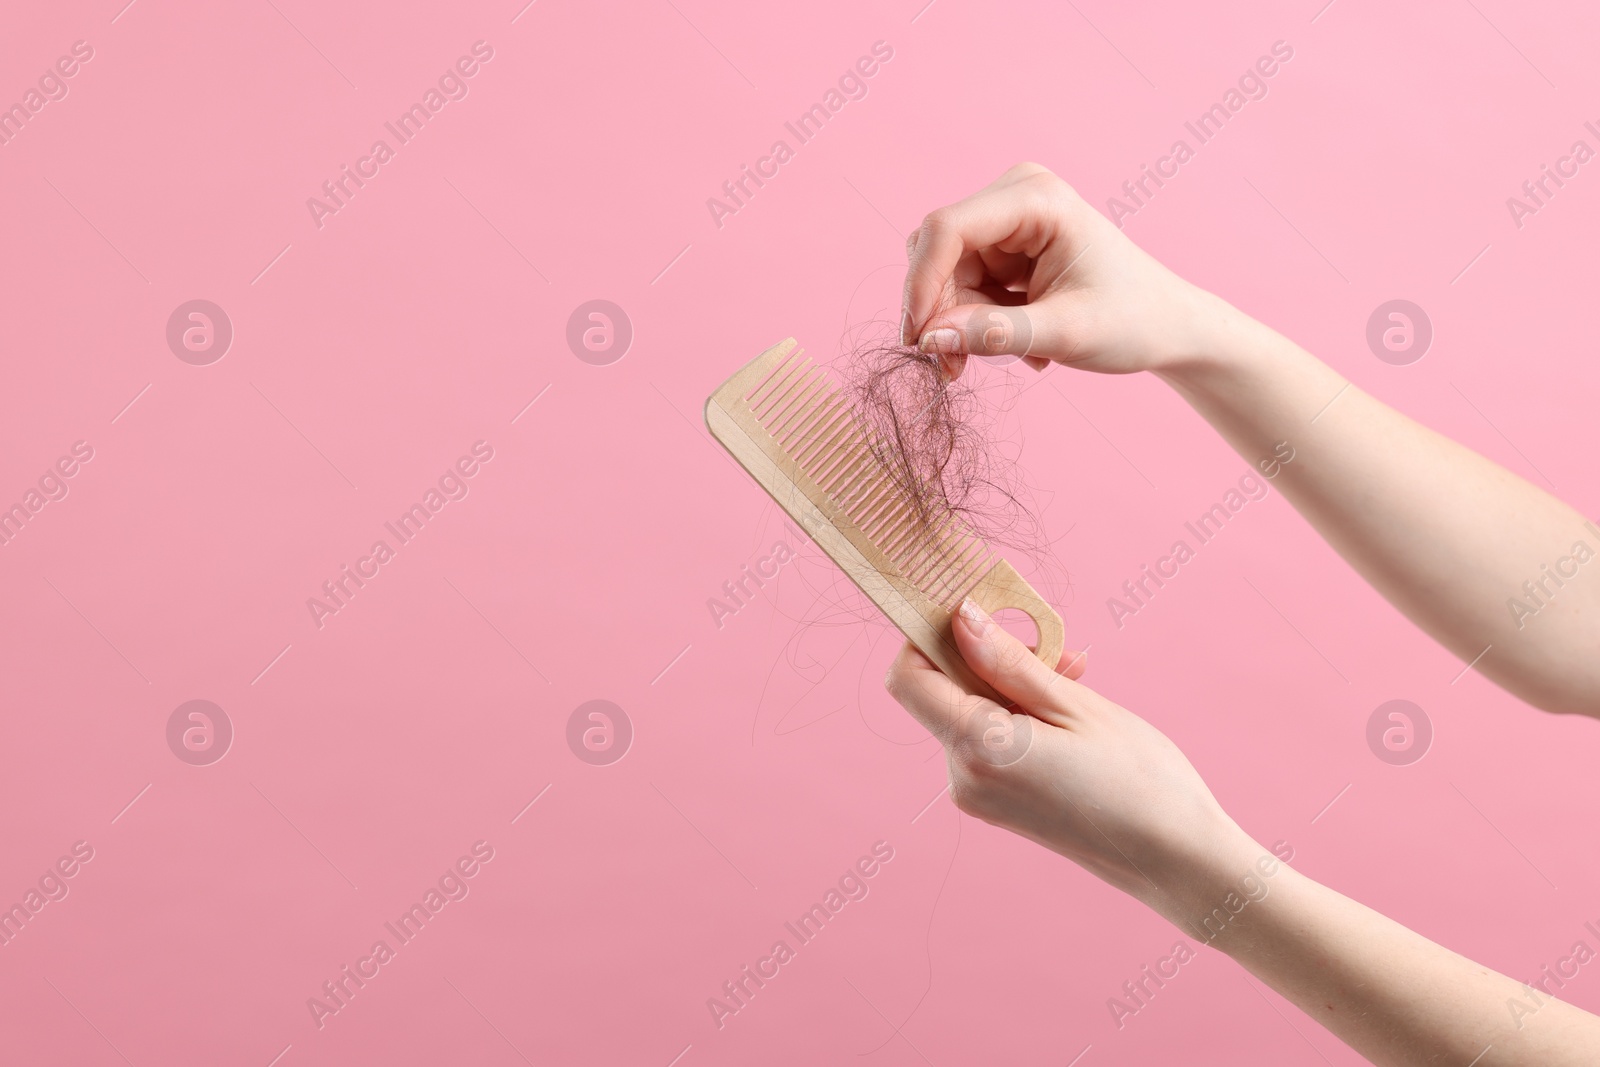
[(426, 314)]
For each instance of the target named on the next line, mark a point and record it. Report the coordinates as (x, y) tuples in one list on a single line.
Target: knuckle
[(1065, 200), (969, 797), (1051, 191), (1051, 195), (981, 747), (937, 221), (977, 794)]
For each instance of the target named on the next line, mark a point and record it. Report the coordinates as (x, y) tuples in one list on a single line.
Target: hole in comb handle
[(1018, 624), (1003, 588)]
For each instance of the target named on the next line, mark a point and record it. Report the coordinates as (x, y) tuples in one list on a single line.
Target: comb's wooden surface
[(787, 424)]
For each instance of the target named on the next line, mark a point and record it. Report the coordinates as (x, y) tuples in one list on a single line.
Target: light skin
[(1447, 536)]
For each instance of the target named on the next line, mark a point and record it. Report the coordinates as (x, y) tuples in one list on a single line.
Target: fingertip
[(1073, 664)]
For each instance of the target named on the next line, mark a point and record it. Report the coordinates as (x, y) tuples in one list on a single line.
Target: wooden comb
[(797, 434)]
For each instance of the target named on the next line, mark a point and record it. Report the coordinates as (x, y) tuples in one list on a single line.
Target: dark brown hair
[(936, 437)]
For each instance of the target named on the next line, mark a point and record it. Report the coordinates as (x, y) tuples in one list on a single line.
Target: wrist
[(1214, 338), (1211, 880)]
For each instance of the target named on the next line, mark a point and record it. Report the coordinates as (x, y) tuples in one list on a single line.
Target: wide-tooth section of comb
[(812, 422)]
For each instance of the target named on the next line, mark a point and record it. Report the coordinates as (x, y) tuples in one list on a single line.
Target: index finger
[(929, 695), (997, 216), (937, 702)]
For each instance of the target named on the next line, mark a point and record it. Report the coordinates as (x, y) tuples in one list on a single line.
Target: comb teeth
[(813, 423)]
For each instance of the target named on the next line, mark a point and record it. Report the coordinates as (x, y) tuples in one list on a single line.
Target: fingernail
[(905, 326), (977, 620), (943, 341)]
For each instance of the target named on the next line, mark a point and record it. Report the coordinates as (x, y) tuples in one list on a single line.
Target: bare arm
[(1486, 563), (1092, 781), (1387, 992), (1500, 572)]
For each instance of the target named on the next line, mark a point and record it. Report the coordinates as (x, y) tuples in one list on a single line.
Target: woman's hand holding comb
[(1096, 783), (1069, 769)]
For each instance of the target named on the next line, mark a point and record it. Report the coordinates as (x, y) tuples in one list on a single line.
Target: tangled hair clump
[(935, 436)]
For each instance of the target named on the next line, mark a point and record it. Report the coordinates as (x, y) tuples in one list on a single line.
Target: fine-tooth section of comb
[(811, 420), (796, 432)]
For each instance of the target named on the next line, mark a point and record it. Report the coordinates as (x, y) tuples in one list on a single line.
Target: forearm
[(1476, 556), (1392, 995)]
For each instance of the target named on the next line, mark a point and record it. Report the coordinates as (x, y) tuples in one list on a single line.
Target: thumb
[(1006, 663)]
